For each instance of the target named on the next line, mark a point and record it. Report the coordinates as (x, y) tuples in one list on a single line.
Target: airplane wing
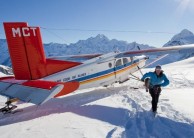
[(35, 91), (76, 58), (157, 51)]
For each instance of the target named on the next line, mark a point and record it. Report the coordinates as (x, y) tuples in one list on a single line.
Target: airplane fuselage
[(100, 71)]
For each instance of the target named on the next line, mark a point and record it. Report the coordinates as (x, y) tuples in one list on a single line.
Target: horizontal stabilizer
[(29, 94)]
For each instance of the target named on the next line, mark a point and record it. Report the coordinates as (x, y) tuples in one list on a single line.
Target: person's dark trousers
[(155, 93)]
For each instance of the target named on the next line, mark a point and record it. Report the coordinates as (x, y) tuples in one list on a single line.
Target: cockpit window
[(125, 60), (118, 62)]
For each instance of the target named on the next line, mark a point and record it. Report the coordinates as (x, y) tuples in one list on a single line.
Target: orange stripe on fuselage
[(110, 74)]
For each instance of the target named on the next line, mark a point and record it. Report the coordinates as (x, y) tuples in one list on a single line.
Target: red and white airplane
[(37, 78)]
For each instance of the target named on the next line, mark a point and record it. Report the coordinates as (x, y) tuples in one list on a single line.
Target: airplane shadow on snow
[(134, 124), (69, 103)]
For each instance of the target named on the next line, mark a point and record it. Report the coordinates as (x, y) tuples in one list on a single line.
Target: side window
[(125, 61), (131, 59), (118, 62), (110, 65), (135, 61)]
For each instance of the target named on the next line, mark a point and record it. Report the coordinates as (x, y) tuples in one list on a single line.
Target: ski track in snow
[(114, 112), (141, 122)]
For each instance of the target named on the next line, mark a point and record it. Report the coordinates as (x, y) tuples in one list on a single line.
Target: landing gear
[(9, 106)]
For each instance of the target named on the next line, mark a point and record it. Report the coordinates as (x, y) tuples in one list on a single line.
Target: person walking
[(153, 82)]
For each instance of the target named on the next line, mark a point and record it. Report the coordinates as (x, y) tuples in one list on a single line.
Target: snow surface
[(119, 111), (2, 74)]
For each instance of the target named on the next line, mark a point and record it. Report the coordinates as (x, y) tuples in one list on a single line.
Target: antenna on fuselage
[(138, 48)]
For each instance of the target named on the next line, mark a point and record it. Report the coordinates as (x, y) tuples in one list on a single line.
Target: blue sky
[(170, 16)]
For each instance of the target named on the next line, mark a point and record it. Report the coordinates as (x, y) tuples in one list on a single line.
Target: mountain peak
[(101, 36), (185, 33), (98, 38), (184, 37)]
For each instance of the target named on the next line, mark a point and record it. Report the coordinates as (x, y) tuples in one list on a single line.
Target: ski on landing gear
[(9, 108)]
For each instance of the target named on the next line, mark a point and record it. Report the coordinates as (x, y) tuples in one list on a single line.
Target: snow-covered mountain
[(183, 38), (98, 44), (5, 71)]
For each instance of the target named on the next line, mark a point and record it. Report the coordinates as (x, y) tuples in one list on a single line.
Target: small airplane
[(37, 78)]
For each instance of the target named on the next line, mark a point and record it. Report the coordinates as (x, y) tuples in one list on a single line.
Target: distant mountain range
[(101, 44), (98, 44)]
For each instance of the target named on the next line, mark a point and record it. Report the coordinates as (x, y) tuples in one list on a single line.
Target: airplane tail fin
[(27, 54)]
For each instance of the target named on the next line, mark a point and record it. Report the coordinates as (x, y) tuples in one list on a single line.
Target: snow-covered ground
[(2, 74), (113, 112)]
